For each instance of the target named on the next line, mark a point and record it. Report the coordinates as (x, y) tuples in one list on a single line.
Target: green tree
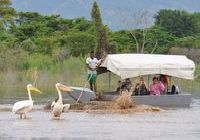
[(178, 23), (29, 46), (102, 41), (6, 13), (31, 25), (45, 45), (159, 40), (82, 24), (7, 39), (196, 16), (78, 43), (123, 41)]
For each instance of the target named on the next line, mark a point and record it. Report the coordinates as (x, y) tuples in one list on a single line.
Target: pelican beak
[(35, 89), (64, 88)]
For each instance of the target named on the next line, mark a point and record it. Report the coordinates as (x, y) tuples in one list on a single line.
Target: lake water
[(172, 123)]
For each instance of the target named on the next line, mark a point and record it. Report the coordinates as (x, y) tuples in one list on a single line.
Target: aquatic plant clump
[(123, 104), (124, 101), (110, 107)]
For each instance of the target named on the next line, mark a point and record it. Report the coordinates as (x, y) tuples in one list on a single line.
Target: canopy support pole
[(148, 81), (109, 78), (170, 82)]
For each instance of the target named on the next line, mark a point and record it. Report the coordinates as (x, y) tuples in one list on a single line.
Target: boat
[(81, 94), (176, 100), (135, 65)]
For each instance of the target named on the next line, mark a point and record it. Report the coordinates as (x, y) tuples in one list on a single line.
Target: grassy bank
[(71, 71)]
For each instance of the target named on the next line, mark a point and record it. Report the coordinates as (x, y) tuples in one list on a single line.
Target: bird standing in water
[(22, 107), (57, 106)]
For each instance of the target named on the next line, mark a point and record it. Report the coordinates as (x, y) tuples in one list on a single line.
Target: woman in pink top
[(156, 87)]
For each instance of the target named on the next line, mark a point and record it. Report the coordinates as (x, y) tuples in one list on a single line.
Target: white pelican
[(22, 107), (57, 106), (65, 106)]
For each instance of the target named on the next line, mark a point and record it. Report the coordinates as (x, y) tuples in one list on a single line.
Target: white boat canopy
[(134, 65)]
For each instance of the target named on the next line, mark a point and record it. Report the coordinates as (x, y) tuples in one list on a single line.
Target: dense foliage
[(6, 13), (29, 39), (178, 23)]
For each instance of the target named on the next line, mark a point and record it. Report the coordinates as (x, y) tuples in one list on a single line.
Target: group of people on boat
[(158, 86)]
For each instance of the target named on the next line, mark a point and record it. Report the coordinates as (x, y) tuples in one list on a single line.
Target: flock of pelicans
[(22, 107)]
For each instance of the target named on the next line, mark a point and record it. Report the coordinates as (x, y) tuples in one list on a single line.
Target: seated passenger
[(156, 87), (119, 86), (124, 85), (174, 89), (141, 88), (164, 81), (128, 84)]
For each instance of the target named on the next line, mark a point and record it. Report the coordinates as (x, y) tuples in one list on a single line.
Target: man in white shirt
[(92, 64)]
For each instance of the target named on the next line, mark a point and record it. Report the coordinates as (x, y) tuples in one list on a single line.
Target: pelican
[(57, 105), (22, 107), (65, 106)]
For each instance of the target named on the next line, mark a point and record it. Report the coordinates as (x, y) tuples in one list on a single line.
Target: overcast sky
[(115, 13)]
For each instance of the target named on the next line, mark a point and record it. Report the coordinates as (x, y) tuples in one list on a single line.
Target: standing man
[(92, 64)]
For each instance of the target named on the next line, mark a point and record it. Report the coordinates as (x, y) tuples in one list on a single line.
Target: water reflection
[(176, 124)]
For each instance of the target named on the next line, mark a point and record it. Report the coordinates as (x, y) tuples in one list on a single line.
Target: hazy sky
[(115, 13)]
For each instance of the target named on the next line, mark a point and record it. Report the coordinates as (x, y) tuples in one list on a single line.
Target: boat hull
[(177, 100), (81, 94), (85, 95)]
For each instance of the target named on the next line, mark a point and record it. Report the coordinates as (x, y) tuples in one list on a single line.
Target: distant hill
[(114, 12)]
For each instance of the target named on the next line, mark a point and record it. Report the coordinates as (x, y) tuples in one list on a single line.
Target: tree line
[(52, 39)]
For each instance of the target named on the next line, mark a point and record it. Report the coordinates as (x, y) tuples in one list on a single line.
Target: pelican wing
[(18, 106), (52, 105), (66, 106)]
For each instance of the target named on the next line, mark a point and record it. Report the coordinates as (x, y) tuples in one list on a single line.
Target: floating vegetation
[(123, 104), (124, 101)]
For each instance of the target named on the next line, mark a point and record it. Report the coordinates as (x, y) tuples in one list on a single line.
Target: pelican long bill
[(35, 89)]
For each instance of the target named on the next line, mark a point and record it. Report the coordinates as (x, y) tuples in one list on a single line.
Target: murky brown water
[(176, 124)]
